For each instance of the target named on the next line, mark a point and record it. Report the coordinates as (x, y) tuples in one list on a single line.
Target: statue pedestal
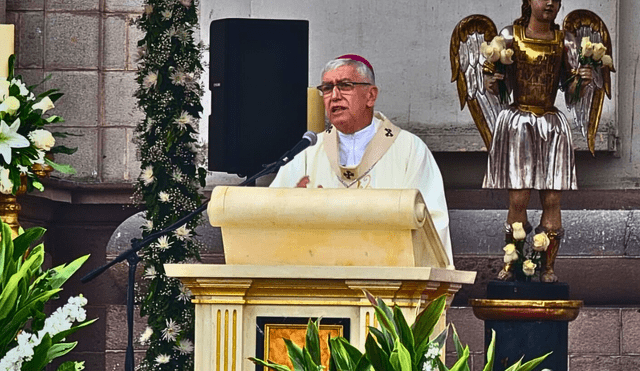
[(244, 310), (530, 320)]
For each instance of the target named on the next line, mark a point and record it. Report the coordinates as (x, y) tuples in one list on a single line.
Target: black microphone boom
[(308, 139)]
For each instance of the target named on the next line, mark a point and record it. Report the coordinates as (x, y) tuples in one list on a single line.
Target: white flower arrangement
[(525, 258), (23, 140)]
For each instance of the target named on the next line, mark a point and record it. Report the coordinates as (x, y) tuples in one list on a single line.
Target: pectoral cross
[(389, 133), (348, 174)]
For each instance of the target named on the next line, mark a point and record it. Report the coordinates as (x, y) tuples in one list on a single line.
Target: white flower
[(185, 293), (45, 104), (529, 267), (150, 273), (518, 231), (146, 335), (540, 242), (184, 119), (505, 56), (163, 196), (498, 43), (489, 52), (166, 14), (183, 233), (23, 88), (10, 105), (42, 139), (587, 47), (150, 80), (184, 346), (4, 89), (147, 175), (186, 3), (170, 333), (598, 51), (9, 138), (41, 156), (510, 254), (148, 225), (607, 61), (163, 243), (6, 185), (162, 359)]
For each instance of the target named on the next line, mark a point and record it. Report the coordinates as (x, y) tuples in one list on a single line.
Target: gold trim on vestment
[(380, 143)]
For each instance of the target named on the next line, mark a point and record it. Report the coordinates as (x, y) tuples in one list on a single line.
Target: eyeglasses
[(343, 86)]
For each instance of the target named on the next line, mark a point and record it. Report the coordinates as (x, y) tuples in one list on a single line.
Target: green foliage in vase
[(169, 93), (395, 346), (29, 340)]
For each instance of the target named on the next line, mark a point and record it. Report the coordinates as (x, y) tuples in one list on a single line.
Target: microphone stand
[(131, 255)]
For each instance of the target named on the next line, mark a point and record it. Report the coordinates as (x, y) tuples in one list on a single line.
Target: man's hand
[(302, 183), (491, 82)]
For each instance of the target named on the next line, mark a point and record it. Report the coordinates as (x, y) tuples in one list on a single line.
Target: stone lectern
[(295, 254)]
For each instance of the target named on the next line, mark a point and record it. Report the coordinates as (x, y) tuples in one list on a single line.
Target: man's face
[(545, 10), (349, 111)]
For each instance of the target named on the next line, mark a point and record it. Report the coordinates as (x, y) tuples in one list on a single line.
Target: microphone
[(308, 139)]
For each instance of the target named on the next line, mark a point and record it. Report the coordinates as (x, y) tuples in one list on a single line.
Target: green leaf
[(386, 342), (63, 334), (400, 358), (459, 347), (63, 272), (64, 150), (25, 240), (65, 169), (386, 322), (40, 352), (37, 185), (404, 331), (309, 363), (58, 350), (427, 320), (340, 357), (441, 366), (269, 364), (533, 363), (296, 355), (71, 366), (379, 358), (312, 341), (462, 362), (515, 366), (491, 352)]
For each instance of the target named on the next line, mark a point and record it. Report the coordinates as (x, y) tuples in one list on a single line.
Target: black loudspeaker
[(258, 82)]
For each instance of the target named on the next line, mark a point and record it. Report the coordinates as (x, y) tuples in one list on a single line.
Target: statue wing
[(588, 109), (466, 69)]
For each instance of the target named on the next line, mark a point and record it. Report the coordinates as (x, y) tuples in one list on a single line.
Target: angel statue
[(528, 139)]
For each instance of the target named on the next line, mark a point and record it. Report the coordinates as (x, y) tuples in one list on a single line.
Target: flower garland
[(169, 93)]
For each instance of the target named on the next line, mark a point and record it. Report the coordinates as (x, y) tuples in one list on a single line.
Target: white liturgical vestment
[(393, 159)]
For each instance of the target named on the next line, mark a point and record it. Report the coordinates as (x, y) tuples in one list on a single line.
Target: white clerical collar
[(352, 146)]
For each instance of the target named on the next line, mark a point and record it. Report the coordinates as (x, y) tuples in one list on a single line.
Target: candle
[(315, 110), (6, 47)]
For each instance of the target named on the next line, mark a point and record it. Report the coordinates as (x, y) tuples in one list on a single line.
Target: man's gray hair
[(362, 68)]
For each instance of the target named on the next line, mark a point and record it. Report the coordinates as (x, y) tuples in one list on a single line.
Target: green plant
[(396, 346), (24, 290)]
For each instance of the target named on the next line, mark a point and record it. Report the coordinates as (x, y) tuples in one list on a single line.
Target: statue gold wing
[(588, 109), (466, 69)]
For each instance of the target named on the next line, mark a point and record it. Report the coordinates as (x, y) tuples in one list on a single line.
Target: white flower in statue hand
[(598, 51), (498, 43), (607, 61), (10, 105), (529, 267), (505, 56), (587, 47), (489, 52), (9, 138), (6, 185), (518, 232), (45, 104), (42, 139), (510, 254), (540, 242)]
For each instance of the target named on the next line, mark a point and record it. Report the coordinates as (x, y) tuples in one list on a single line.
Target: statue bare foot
[(549, 276)]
